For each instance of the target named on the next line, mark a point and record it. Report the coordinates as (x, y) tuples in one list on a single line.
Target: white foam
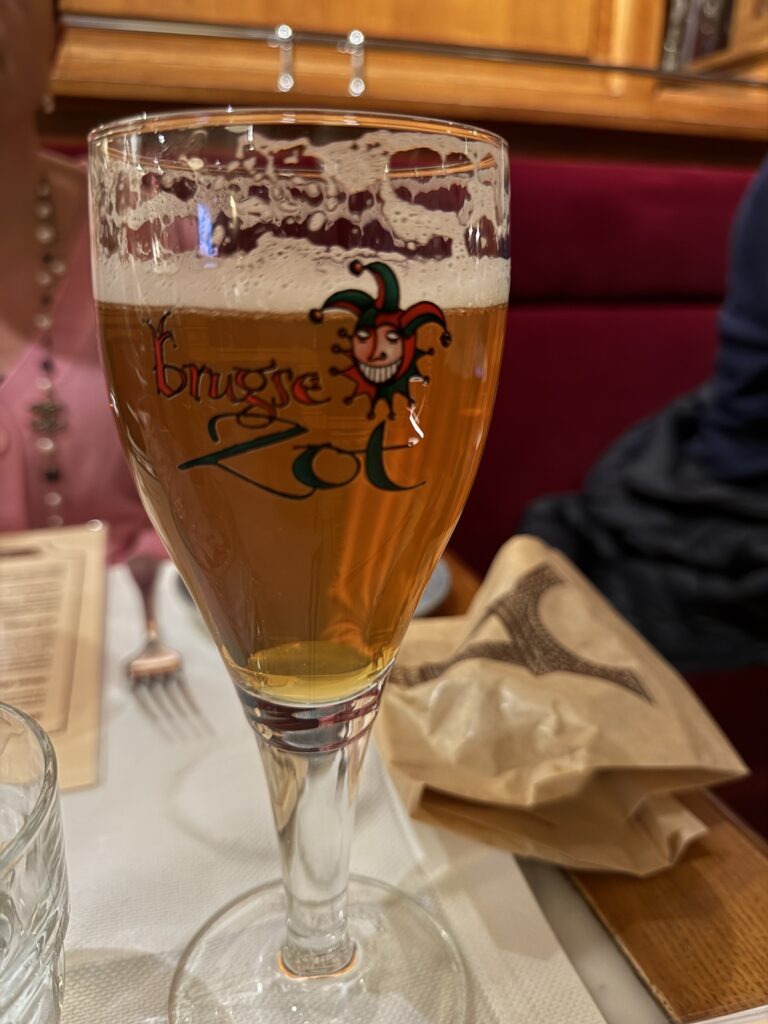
[(293, 275), (281, 279)]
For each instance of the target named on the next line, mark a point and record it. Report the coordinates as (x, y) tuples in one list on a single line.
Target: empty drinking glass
[(34, 900)]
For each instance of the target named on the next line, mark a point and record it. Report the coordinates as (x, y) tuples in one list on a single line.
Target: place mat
[(698, 933), (176, 830), (51, 631)]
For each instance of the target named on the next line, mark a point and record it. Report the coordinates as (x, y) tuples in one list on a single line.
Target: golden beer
[(303, 503)]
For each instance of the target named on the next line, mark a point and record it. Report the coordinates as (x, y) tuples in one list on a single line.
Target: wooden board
[(539, 26), (698, 933), (174, 70)]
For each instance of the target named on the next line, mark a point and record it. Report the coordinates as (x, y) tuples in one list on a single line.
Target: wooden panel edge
[(140, 70)]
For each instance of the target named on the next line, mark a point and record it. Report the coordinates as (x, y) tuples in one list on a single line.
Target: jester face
[(382, 350), (378, 352)]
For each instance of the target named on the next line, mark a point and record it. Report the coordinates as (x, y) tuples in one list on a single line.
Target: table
[(175, 830)]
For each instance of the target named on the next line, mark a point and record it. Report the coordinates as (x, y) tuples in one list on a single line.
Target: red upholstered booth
[(617, 273)]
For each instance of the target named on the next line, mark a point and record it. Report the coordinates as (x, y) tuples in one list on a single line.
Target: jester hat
[(384, 308)]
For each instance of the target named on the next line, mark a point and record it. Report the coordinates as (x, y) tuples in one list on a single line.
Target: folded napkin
[(543, 723)]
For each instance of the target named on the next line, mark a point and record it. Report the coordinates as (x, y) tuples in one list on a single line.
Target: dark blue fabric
[(732, 440), (684, 557)]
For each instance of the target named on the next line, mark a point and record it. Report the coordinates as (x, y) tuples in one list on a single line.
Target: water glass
[(34, 899)]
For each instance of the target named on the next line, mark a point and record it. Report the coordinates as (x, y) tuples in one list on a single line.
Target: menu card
[(51, 632)]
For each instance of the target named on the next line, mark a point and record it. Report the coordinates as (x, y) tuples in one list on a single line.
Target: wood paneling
[(184, 69), (544, 26)]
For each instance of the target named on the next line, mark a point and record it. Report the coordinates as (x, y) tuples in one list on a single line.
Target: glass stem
[(313, 801), (312, 760)]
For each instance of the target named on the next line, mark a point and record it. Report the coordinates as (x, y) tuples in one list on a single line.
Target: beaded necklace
[(48, 414)]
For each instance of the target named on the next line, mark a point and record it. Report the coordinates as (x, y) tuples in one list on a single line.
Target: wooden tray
[(698, 933)]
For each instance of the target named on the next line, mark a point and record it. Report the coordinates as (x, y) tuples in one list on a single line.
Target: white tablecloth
[(173, 831)]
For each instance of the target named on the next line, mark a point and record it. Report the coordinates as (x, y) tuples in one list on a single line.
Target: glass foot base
[(406, 969)]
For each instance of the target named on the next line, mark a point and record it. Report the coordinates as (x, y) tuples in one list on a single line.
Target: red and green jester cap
[(384, 308)]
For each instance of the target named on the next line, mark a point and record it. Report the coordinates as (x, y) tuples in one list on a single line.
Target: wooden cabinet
[(551, 61), (544, 26)]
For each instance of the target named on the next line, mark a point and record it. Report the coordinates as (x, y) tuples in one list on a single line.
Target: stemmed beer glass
[(301, 318)]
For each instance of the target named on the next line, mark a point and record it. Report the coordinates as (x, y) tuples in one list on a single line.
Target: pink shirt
[(95, 481)]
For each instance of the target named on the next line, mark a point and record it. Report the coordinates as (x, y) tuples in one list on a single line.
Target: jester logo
[(382, 347)]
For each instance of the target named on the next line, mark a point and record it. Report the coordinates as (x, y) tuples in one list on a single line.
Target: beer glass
[(301, 318)]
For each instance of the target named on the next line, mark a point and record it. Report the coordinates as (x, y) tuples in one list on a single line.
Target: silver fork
[(156, 672)]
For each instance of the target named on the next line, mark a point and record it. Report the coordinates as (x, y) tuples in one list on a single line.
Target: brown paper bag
[(542, 722)]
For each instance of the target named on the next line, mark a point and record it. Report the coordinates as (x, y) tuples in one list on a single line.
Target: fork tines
[(165, 698)]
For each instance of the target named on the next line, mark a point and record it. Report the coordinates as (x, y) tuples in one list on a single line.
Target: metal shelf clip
[(354, 45), (282, 38)]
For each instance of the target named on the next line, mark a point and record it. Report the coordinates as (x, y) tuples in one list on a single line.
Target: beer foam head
[(277, 227)]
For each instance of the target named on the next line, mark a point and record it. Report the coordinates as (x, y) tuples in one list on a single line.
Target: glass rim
[(48, 787), (145, 124)]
